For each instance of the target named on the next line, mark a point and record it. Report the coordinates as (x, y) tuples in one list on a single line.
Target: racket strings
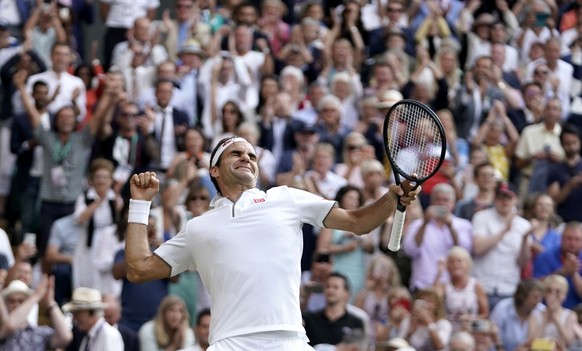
[(414, 141)]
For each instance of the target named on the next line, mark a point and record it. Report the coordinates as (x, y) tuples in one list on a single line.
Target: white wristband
[(139, 211)]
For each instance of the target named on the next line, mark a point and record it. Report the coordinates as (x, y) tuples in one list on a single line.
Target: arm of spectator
[(511, 133), (424, 28), (31, 111), (525, 255), (561, 193), (509, 19), (482, 301), (213, 91), (32, 21), (151, 12), (63, 335), (60, 32), (268, 66), (17, 319), (483, 243), (4, 327), (104, 8)]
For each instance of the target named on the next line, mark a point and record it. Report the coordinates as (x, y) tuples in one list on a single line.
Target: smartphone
[(480, 325), (541, 18), (540, 344), (30, 239)]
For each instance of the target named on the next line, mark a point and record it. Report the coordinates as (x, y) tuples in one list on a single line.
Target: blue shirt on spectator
[(550, 261)]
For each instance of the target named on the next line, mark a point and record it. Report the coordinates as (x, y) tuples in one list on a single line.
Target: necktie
[(87, 342)]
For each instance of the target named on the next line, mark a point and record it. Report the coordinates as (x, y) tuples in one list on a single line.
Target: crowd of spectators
[(492, 252)]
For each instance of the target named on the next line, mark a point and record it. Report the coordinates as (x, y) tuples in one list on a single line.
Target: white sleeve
[(313, 209), (175, 252)]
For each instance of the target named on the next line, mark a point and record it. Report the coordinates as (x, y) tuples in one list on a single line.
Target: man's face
[(444, 199), (571, 144), (66, 121), (84, 320), (24, 272), (141, 29), (61, 58), (553, 111), (14, 300), (505, 204), (552, 51), (183, 9), (127, 119), (243, 39), (486, 178), (572, 240), (335, 291), (40, 94), (203, 330), (247, 15), (164, 93), (238, 165)]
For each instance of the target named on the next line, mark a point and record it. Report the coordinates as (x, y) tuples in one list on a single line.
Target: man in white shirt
[(498, 237), (87, 308), (119, 16), (246, 249), (66, 88)]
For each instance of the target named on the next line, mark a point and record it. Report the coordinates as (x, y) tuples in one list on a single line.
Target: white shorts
[(269, 341)]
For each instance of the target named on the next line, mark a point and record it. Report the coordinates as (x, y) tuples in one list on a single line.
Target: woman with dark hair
[(231, 118), (347, 249), (267, 91)]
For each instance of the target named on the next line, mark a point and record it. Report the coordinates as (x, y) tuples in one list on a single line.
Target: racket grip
[(396, 233)]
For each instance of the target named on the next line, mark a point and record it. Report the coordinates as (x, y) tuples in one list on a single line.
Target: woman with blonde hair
[(381, 277), (170, 329), (464, 297), (555, 322)]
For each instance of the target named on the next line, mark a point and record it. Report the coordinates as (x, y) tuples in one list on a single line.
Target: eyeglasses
[(195, 198), (127, 114), (354, 147), (324, 110), (393, 9), (183, 6), (542, 72)]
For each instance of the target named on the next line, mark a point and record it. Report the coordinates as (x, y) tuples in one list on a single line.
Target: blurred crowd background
[(94, 91)]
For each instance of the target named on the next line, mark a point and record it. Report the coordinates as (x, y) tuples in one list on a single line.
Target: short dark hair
[(569, 128), (342, 277), (203, 313), (481, 165), (60, 43), (39, 83)]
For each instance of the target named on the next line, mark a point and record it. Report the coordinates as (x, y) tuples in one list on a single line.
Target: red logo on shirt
[(259, 200)]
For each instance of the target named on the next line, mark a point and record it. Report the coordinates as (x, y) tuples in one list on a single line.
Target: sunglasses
[(183, 6), (392, 9), (126, 114), (354, 147)]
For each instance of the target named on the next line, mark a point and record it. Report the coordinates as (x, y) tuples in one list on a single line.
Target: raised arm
[(31, 111), (142, 265), (365, 219)]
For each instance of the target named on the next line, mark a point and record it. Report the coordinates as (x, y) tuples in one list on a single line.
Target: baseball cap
[(504, 189)]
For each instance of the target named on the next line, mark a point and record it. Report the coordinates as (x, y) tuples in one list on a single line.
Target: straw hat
[(389, 98), (16, 286), (85, 299)]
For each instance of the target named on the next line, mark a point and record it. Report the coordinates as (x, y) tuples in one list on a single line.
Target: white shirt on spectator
[(68, 83), (123, 13), (254, 60), (102, 336), (498, 269), (529, 38), (563, 72)]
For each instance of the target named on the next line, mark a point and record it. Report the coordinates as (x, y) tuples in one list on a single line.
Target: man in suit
[(277, 129), (169, 124)]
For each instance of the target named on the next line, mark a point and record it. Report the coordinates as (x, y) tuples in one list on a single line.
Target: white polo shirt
[(123, 13), (248, 255)]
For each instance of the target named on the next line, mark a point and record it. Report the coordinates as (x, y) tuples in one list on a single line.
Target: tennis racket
[(415, 144)]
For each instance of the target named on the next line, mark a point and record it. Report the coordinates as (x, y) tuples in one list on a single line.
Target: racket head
[(414, 141)]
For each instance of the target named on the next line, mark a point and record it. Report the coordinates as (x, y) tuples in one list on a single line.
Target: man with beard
[(565, 178)]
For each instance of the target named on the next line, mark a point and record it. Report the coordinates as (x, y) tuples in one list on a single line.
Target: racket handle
[(396, 233)]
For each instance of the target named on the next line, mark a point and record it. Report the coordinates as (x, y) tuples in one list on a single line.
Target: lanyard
[(60, 152)]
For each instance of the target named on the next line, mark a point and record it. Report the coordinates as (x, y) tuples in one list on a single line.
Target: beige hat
[(16, 286), (191, 46), (85, 299), (389, 98)]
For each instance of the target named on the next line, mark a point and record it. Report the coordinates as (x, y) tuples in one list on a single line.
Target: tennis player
[(247, 248)]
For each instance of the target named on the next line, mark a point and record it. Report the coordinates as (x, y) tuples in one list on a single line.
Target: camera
[(480, 325)]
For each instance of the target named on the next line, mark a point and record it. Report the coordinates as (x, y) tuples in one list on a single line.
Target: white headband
[(223, 147)]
